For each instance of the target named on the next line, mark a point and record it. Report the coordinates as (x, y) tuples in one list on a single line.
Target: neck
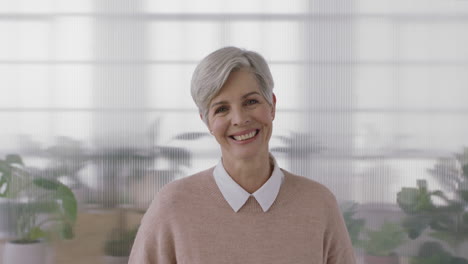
[(250, 173)]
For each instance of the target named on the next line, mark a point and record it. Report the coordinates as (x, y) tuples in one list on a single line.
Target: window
[(371, 94)]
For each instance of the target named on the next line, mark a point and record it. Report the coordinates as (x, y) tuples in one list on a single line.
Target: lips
[(245, 135)]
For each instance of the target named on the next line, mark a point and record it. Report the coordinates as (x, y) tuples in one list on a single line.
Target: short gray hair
[(212, 72)]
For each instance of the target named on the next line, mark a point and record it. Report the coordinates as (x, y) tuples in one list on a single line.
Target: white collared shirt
[(236, 196)]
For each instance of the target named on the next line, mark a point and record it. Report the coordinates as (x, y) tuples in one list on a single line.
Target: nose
[(240, 117)]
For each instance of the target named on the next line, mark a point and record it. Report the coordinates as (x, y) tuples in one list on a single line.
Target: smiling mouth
[(246, 136)]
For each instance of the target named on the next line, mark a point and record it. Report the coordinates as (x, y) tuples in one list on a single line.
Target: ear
[(273, 107)]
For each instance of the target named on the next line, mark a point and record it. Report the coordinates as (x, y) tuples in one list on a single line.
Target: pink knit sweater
[(189, 222)]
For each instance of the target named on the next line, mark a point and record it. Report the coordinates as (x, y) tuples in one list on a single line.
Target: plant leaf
[(66, 232), (5, 178), (69, 203), (47, 184), (383, 241), (66, 198), (415, 225), (36, 233), (465, 170)]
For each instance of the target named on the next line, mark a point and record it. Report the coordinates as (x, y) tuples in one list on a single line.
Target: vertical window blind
[(371, 98)]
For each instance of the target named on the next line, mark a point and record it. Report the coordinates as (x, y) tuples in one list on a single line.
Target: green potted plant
[(44, 207), (451, 221), (379, 245), (432, 252), (447, 221), (118, 245)]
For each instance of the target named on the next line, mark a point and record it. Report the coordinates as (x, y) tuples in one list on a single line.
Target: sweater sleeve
[(154, 241), (337, 244)]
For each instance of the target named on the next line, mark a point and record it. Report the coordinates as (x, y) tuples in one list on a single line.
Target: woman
[(246, 209)]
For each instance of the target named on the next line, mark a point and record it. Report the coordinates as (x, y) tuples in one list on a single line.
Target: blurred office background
[(372, 102)]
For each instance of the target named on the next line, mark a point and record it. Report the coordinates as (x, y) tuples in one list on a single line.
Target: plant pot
[(381, 260), (115, 260), (19, 253)]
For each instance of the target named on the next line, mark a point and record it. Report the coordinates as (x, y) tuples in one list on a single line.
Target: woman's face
[(240, 118)]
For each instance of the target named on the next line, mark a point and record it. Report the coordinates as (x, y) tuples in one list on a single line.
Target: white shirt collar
[(236, 196)]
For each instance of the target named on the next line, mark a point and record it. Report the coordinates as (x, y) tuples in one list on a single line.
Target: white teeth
[(246, 136)]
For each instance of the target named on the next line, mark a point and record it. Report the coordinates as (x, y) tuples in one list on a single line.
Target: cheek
[(218, 126), (266, 116)]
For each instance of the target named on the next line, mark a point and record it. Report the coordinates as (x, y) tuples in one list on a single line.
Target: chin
[(247, 153)]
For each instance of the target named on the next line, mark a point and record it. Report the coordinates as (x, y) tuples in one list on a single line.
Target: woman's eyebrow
[(218, 103), (249, 94), (225, 102)]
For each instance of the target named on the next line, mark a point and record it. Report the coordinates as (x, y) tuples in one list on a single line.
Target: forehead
[(238, 84)]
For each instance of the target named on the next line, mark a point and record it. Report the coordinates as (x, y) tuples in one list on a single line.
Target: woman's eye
[(251, 101), (220, 109)]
